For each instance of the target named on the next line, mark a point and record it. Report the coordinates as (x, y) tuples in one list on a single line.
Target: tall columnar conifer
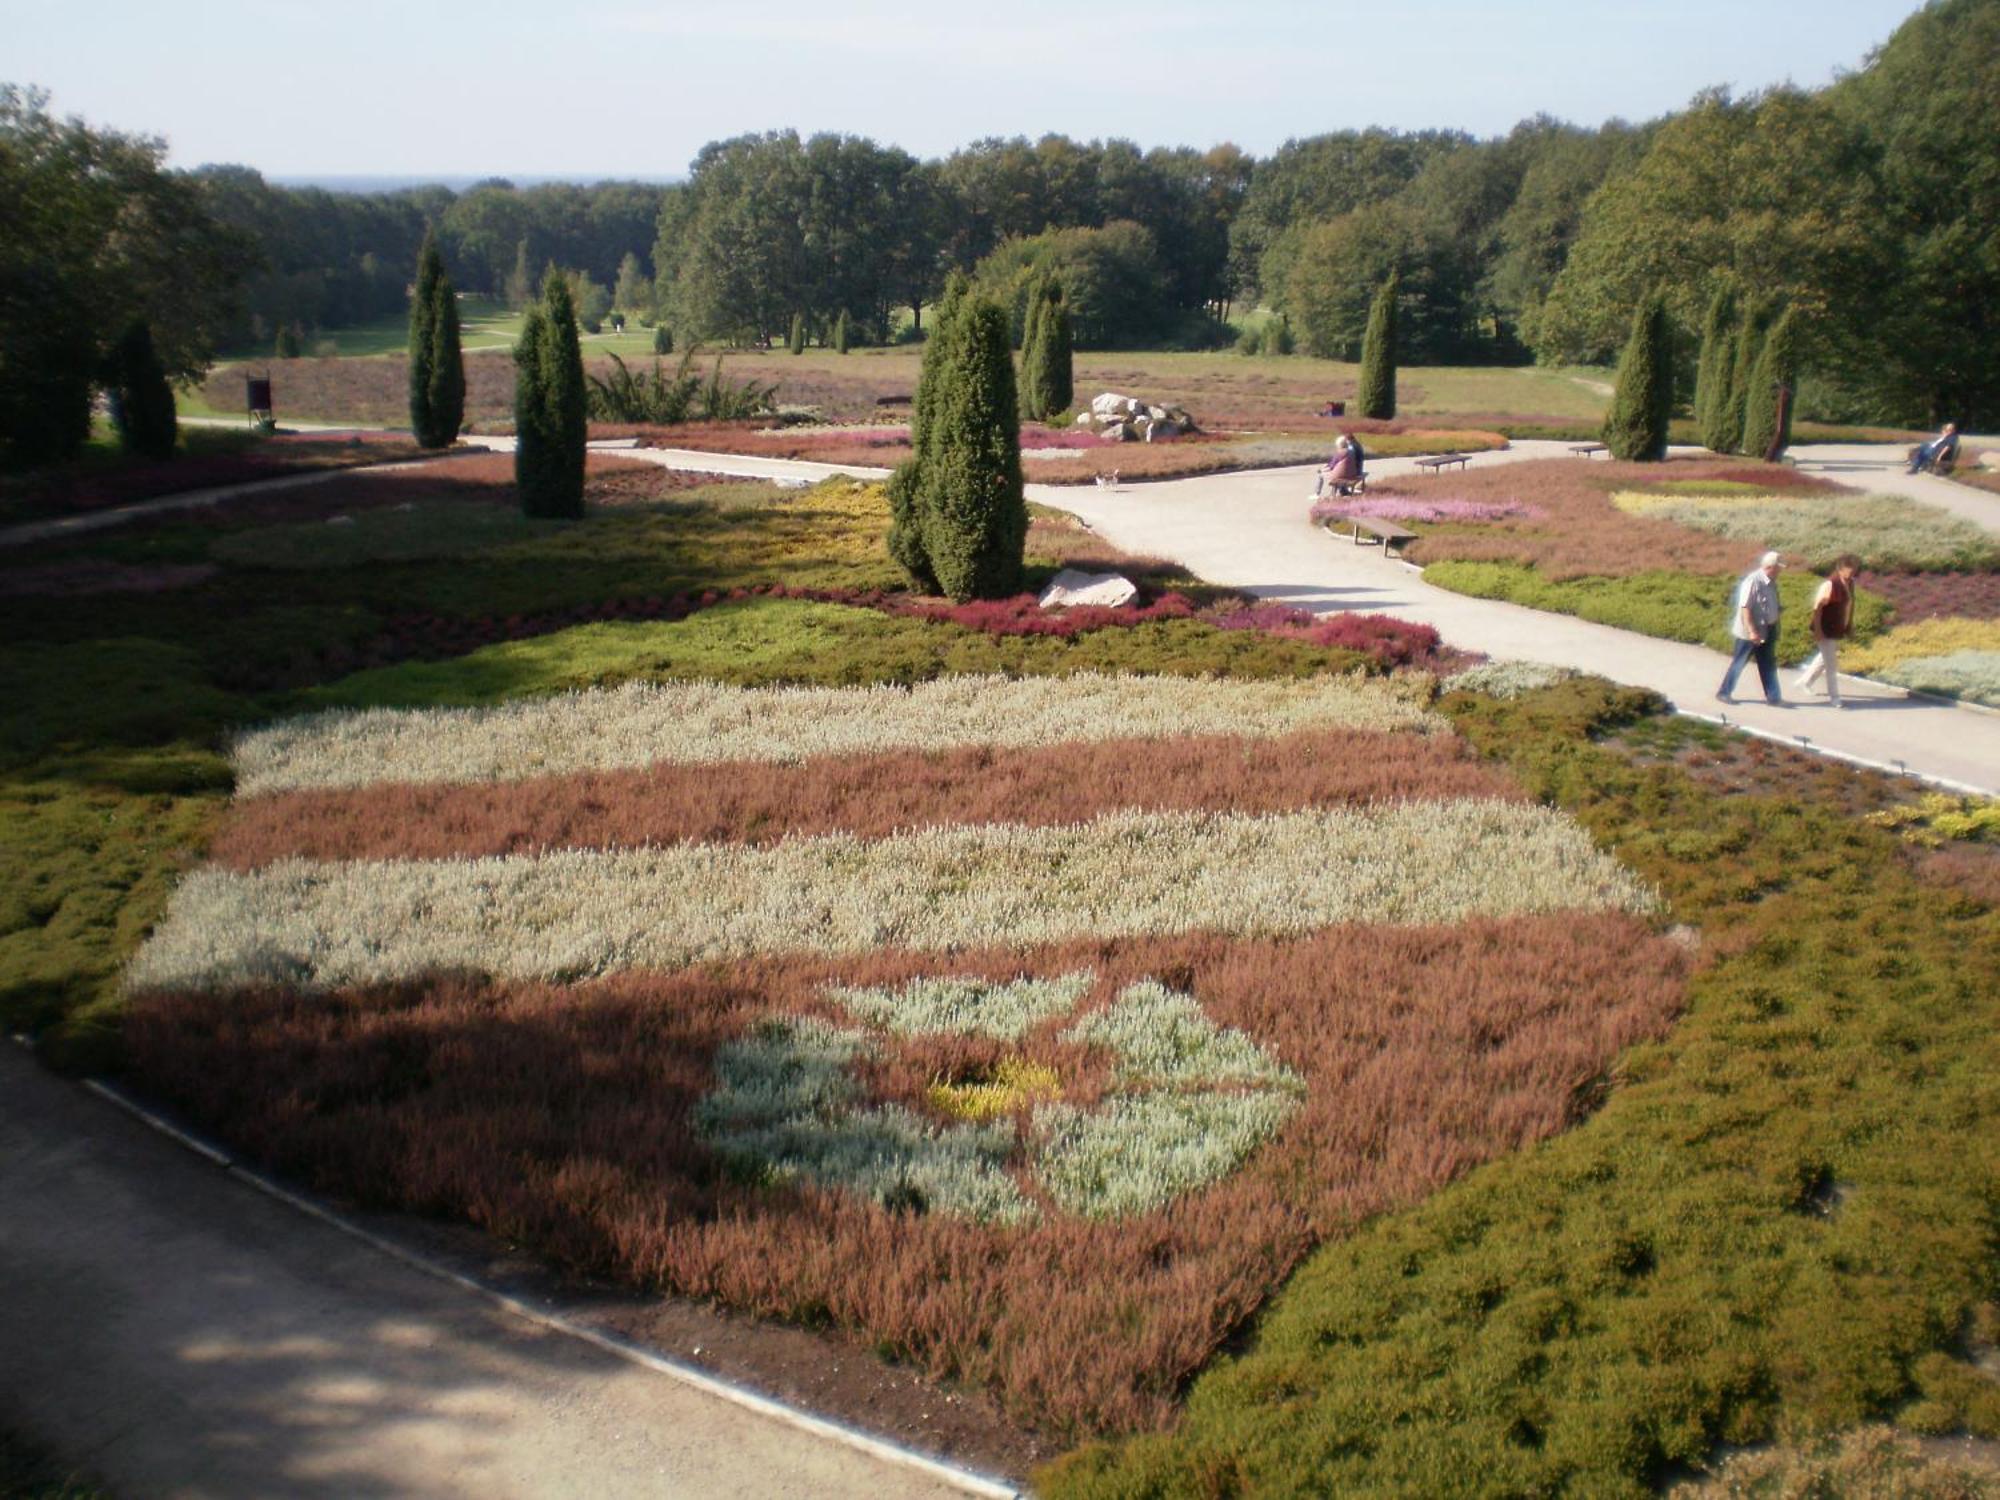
[(1711, 389), (1032, 405), (796, 341), (975, 518), (1057, 351), (549, 412), (1766, 431), (1636, 429), (908, 484), (142, 403), (1743, 363), (437, 364), (841, 334), (1377, 395)]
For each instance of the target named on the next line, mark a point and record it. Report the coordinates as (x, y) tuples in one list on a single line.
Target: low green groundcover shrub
[(1673, 606), (1773, 1221)]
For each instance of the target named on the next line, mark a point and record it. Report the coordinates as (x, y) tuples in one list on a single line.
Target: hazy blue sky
[(618, 87)]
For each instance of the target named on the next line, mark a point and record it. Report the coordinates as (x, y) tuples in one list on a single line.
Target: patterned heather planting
[(685, 723), (573, 1119), (869, 796), (570, 915), (1884, 531)]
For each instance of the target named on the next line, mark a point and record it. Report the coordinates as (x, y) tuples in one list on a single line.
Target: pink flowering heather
[(1412, 508), (1391, 642)]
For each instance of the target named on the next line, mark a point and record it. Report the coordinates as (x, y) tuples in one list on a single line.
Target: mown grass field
[(1520, 1202)]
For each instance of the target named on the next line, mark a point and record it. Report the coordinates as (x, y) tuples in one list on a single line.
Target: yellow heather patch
[(1920, 639), (574, 914), (1015, 1082), (693, 723)]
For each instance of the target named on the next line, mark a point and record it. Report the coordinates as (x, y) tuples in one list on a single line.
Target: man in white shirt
[(1755, 626)]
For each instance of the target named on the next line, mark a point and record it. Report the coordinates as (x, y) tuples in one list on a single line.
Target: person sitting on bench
[(1937, 454), (1343, 471)]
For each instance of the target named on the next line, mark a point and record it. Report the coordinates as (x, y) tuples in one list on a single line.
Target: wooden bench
[(1585, 450), (1437, 461), (1388, 533)]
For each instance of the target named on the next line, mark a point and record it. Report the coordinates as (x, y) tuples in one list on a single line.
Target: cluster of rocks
[(1127, 419)]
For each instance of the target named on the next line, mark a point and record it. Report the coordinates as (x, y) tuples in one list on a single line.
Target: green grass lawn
[(484, 323)]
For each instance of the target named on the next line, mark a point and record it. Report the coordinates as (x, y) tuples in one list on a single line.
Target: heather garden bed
[(1508, 1087), (104, 477), (1658, 548)]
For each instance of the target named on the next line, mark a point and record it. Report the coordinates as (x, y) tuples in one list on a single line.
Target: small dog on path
[(1108, 481)]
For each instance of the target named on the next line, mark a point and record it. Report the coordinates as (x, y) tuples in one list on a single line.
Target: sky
[(619, 88)]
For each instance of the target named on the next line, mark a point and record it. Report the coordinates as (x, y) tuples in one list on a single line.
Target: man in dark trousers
[(1754, 623)]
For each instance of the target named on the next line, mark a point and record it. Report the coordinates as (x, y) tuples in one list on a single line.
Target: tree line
[(1865, 208)]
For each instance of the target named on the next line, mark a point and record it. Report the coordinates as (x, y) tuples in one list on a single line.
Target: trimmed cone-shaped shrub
[(906, 539), (1636, 429), (549, 407), (1057, 351), (1742, 364), (437, 363), (975, 517), (291, 338), (840, 333), (1377, 395), (1767, 430), (142, 403), (796, 342), (663, 340), (1711, 385), (1033, 408)]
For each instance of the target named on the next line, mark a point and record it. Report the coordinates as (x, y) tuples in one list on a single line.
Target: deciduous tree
[(142, 402)]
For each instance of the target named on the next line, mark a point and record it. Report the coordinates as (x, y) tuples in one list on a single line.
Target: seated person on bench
[(1938, 453), (1343, 471)]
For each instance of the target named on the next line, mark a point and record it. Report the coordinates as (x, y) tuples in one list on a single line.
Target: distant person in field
[(1832, 618), (1754, 623), (1938, 452)]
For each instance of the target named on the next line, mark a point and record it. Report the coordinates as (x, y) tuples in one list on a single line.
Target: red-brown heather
[(1937, 596), (560, 1117), (1581, 534), (870, 796)]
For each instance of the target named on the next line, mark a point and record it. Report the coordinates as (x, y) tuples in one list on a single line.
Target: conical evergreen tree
[(796, 340), (907, 485), (1033, 404), (975, 518), (1636, 428), (437, 365), (549, 412), (1743, 363), (1057, 350), (142, 403), (663, 339), (1377, 395), (1764, 434), (1711, 386), (840, 333)]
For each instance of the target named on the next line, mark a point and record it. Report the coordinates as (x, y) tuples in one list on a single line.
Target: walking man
[(1755, 626), (1832, 618)]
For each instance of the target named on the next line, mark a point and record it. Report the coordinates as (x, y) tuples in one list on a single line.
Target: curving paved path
[(177, 1333), (1250, 531)]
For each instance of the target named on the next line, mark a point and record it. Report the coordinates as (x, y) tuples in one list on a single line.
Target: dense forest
[(1867, 207)]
